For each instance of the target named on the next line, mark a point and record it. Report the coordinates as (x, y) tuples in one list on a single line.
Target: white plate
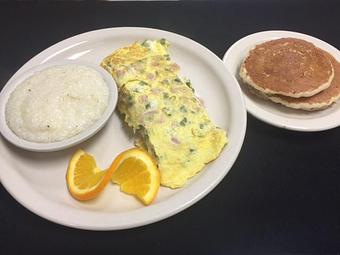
[(270, 112), (74, 140), (37, 180)]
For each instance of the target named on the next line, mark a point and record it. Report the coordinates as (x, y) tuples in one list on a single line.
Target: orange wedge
[(84, 179), (137, 174)]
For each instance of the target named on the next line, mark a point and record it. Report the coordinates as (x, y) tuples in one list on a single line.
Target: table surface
[(281, 196)]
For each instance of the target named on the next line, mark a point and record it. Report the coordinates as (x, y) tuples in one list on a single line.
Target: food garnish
[(84, 179), (136, 173), (133, 170)]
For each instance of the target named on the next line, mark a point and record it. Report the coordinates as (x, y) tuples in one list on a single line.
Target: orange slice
[(84, 179), (137, 174)]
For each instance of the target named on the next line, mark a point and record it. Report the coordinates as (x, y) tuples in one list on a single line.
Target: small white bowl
[(55, 146)]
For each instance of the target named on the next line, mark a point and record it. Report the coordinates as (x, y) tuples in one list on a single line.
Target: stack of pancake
[(292, 72)]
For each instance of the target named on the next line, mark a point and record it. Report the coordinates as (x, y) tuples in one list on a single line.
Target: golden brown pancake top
[(324, 96), (288, 65)]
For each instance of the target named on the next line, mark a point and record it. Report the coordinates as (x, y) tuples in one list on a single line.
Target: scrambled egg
[(168, 119)]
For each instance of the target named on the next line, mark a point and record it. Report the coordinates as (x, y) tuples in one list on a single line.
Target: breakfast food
[(133, 170), (293, 73), (136, 173), (162, 109), (288, 66), (319, 101), (56, 103), (84, 179)]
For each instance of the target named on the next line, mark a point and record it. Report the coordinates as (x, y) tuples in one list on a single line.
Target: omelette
[(168, 120)]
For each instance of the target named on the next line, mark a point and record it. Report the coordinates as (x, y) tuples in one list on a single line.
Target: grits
[(57, 103)]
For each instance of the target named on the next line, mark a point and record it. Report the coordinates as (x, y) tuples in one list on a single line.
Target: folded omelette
[(168, 120)]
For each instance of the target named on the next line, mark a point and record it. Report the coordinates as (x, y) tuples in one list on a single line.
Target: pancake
[(288, 66), (319, 101)]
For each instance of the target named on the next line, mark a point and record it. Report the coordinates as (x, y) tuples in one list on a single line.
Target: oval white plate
[(20, 76), (37, 180), (270, 112)]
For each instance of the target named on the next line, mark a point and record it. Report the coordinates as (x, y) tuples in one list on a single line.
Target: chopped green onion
[(188, 83), (166, 111), (146, 44), (130, 101), (143, 83), (183, 121), (183, 109), (162, 41)]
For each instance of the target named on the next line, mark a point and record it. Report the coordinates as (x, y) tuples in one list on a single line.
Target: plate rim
[(159, 210), (270, 117)]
